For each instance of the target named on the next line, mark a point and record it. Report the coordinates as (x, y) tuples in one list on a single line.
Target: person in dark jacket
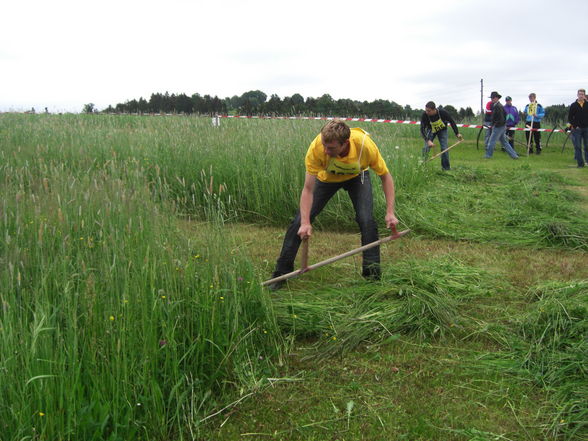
[(434, 124), (488, 122), (578, 124), (498, 129)]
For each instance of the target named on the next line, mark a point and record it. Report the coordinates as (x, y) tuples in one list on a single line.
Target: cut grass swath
[(414, 298)]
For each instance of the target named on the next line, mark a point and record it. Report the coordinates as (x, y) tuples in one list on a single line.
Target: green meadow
[(132, 249)]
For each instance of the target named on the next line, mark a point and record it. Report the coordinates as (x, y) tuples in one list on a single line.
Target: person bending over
[(339, 158)]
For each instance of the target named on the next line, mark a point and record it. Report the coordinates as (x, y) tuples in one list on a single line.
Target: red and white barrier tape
[(387, 121)]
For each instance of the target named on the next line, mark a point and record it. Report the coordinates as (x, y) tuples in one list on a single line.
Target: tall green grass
[(252, 171), (114, 324)]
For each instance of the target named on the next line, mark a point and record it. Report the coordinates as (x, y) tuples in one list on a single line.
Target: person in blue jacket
[(535, 113), (512, 119)]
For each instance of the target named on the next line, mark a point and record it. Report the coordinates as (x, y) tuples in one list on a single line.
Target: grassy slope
[(408, 389)]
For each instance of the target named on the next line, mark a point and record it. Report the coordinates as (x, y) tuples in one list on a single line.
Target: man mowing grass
[(434, 123), (339, 157)]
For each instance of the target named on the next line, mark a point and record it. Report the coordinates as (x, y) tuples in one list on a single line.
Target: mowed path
[(407, 389)]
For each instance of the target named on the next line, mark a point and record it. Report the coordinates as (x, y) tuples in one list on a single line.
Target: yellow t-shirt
[(339, 169)]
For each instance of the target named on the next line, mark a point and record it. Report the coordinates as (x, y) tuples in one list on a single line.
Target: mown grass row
[(417, 298), (433, 300), (514, 207), (551, 349)]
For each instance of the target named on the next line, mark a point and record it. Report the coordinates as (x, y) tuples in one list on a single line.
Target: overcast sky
[(62, 54)]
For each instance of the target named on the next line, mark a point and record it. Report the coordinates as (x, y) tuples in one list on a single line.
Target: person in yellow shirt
[(339, 157)]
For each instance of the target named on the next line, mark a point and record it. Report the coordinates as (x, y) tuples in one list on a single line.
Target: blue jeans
[(499, 134), (487, 135), (362, 199), (580, 134), (442, 135)]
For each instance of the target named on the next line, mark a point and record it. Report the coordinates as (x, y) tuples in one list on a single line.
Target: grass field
[(132, 253)]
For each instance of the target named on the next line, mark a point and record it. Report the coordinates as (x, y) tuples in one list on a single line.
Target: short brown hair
[(532, 94), (430, 105), (335, 130), (582, 90)]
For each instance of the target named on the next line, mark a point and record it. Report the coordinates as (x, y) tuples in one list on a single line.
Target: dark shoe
[(538, 151), (372, 273), (580, 166), (447, 169), (276, 285)]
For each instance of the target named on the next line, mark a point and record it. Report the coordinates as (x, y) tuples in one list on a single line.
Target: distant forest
[(256, 103)]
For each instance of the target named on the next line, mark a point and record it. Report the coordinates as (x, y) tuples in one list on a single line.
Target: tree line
[(256, 103)]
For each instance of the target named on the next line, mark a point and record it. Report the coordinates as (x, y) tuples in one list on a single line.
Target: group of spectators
[(498, 116), (503, 119), (500, 122)]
